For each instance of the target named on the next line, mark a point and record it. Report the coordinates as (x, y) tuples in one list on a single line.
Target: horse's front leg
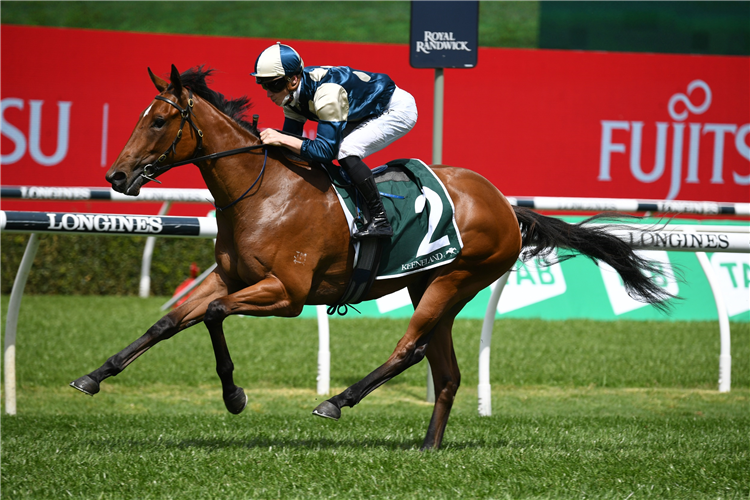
[(188, 314), (268, 297)]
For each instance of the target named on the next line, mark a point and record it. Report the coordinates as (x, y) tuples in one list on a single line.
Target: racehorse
[(270, 208)]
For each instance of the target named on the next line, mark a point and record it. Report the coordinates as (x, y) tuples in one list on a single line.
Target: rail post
[(11, 322)]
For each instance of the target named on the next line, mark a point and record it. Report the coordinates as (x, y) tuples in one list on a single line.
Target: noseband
[(152, 170)]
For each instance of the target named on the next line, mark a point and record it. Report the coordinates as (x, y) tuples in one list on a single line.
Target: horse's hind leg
[(446, 378), (409, 351), (438, 301), (444, 367)]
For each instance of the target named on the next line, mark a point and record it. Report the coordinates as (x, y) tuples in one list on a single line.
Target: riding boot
[(361, 175), (378, 227)]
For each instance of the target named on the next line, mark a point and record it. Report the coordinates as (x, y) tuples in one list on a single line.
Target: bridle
[(153, 170), (149, 172)]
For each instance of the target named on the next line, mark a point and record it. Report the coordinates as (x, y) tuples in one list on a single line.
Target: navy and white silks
[(358, 112)]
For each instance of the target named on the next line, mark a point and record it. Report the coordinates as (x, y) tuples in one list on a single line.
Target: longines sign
[(444, 34), (115, 224)]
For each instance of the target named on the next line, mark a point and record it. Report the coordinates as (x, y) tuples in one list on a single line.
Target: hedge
[(101, 265)]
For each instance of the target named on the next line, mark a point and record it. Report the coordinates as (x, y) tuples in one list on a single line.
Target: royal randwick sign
[(444, 34)]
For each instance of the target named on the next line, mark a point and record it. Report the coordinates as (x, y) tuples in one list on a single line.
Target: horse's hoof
[(86, 385), (326, 409), (236, 402)]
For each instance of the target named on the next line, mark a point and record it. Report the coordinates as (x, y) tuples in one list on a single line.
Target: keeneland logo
[(105, 223), (416, 264)]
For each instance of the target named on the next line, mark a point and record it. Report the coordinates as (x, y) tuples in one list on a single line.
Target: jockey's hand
[(273, 137)]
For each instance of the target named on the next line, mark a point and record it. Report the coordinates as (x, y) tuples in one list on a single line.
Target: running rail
[(631, 205), (46, 193), (164, 195), (675, 238), (537, 203), (89, 223)]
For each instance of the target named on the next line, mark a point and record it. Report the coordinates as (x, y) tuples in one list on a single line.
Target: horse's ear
[(160, 84), (176, 82)]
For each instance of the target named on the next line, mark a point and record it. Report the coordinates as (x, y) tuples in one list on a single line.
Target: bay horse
[(271, 208)]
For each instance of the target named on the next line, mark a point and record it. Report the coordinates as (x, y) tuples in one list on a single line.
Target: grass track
[(657, 429)]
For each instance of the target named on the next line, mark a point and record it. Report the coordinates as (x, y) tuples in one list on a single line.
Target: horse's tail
[(541, 235)]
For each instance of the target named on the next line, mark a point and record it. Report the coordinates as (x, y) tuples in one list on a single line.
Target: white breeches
[(373, 134)]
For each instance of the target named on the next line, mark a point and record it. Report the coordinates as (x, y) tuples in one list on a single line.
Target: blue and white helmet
[(276, 61)]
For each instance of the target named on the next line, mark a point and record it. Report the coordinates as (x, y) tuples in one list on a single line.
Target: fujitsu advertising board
[(534, 122), (619, 125)]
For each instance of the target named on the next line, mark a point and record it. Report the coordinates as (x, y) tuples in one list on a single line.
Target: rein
[(260, 175), (153, 170)]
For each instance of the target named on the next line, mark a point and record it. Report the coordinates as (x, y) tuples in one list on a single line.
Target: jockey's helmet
[(276, 61)]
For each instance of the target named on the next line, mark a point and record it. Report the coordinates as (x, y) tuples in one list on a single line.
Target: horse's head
[(157, 138)]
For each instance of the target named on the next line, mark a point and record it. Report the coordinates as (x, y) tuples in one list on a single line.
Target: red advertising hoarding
[(534, 122)]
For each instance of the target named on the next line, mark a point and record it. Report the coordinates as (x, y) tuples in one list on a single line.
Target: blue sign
[(444, 34)]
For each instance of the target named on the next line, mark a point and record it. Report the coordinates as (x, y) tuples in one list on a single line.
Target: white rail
[(717, 239), (680, 238), (166, 196), (631, 205), (46, 193)]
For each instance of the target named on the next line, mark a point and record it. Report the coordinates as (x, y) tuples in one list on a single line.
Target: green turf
[(580, 409), (501, 24)]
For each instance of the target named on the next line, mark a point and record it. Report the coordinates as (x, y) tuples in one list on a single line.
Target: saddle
[(422, 216), (420, 212)]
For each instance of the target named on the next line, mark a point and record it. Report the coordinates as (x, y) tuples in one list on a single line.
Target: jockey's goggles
[(275, 86)]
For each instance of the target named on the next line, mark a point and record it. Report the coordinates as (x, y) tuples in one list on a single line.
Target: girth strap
[(363, 275)]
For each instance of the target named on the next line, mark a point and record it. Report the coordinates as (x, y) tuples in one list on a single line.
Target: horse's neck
[(228, 177)]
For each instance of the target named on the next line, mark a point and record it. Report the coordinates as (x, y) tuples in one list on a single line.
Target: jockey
[(358, 113)]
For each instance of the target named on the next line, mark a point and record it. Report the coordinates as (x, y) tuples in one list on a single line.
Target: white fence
[(630, 205), (675, 238), (678, 238), (164, 196)]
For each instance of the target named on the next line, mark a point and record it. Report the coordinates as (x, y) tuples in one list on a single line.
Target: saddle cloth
[(419, 209)]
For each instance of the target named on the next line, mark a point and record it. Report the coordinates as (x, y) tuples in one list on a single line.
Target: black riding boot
[(361, 175)]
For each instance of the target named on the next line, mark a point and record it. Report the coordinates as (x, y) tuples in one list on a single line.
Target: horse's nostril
[(117, 179)]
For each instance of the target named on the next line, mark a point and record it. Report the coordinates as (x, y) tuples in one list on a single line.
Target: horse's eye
[(158, 123)]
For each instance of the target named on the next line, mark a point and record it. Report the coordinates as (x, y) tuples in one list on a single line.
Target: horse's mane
[(195, 79)]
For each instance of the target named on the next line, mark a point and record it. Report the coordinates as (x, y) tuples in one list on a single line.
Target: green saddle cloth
[(420, 211)]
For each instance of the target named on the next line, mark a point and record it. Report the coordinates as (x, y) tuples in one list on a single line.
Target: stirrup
[(378, 228)]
